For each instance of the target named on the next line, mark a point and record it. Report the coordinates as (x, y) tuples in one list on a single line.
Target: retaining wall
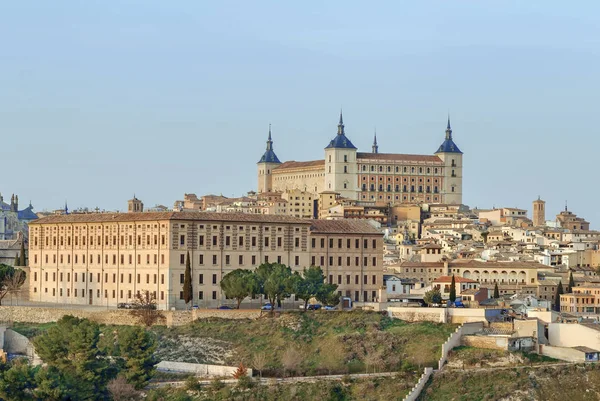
[(563, 353), (454, 339), (32, 314), (414, 314), (199, 369), (416, 390), (488, 342)]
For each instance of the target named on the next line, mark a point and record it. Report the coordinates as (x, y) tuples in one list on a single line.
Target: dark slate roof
[(448, 146), (27, 214), (269, 157), (341, 142)]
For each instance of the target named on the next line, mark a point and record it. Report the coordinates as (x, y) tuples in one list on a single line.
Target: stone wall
[(488, 342), (31, 314), (16, 343), (414, 314), (562, 353), (199, 369), (416, 390)]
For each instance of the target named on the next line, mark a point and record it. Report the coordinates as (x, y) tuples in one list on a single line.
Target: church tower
[(539, 213), (453, 165), (266, 164), (341, 173), (133, 206)]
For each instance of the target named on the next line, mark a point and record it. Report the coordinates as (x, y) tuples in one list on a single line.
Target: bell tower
[(341, 173), (452, 157), (539, 212)]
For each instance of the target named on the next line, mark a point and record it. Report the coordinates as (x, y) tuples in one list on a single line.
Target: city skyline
[(106, 102)]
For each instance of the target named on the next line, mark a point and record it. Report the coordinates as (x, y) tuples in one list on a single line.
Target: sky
[(102, 100)]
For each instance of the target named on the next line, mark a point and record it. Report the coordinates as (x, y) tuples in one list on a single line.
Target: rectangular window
[(241, 241), (253, 260), (201, 279), (313, 260), (182, 259), (374, 261), (138, 278), (214, 279), (181, 278), (365, 280), (253, 241), (322, 242), (296, 260), (162, 278), (331, 261), (365, 244), (340, 243), (214, 240), (330, 242), (201, 260), (214, 295), (279, 241), (266, 241), (201, 240), (365, 261), (214, 259), (374, 244), (228, 241), (339, 279), (279, 259), (227, 260), (201, 295), (322, 260), (374, 279), (357, 243), (240, 260)]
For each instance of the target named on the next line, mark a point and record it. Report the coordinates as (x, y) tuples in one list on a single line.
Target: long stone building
[(369, 176), (107, 258)]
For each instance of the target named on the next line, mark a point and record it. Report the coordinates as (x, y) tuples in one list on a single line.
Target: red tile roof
[(399, 157), (296, 165), (343, 226), (457, 279)]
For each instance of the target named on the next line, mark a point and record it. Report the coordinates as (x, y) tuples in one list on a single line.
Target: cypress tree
[(559, 291), (22, 260), (571, 284), (496, 292), (187, 280), (452, 296)]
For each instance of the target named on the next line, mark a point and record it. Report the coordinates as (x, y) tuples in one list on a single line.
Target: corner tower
[(266, 164), (341, 170), (452, 157), (539, 212)]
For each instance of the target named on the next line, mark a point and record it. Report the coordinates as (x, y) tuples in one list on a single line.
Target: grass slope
[(327, 342), (548, 383)]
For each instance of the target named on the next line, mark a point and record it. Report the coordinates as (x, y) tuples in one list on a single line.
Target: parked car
[(329, 307), (267, 306), (224, 307), (195, 307), (313, 307)]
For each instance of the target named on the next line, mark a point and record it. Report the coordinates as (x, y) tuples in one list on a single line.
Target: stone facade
[(369, 176), (105, 259)]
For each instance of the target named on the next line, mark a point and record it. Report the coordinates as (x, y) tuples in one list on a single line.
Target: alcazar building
[(369, 176)]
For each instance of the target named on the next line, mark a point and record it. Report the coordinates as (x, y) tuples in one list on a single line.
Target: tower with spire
[(266, 164), (340, 164), (452, 157), (375, 148)]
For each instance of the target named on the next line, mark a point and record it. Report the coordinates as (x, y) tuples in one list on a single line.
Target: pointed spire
[(341, 124), (566, 206), (448, 129), (375, 148), (66, 208), (269, 140)]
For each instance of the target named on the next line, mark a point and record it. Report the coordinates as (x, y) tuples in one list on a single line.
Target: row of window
[(82, 277), (81, 293), (340, 243), (404, 188), (404, 169)]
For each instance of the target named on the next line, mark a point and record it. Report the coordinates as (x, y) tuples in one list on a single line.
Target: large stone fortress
[(369, 176)]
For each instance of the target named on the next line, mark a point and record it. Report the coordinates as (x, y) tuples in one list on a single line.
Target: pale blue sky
[(91, 89)]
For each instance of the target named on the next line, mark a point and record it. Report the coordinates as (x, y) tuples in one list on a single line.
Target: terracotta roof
[(151, 216), (457, 279), (295, 165), (343, 226), (399, 157)]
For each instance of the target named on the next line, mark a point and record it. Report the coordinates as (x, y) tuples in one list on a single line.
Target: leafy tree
[(18, 382), (433, 296), (571, 283), (11, 279), (496, 291), (51, 386), (452, 295), (22, 255), (144, 309), (559, 291), (310, 284), (136, 350), (187, 280), (328, 295), (239, 284), (275, 281), (71, 349)]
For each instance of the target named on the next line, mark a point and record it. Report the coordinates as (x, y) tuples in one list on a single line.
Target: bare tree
[(11, 280), (120, 390), (373, 359), (290, 359), (144, 309), (259, 361), (332, 355)]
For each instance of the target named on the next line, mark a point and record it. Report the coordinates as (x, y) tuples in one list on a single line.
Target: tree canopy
[(311, 284), (11, 279), (275, 281), (433, 296), (239, 284)]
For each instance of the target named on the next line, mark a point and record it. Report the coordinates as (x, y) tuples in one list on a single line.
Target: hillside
[(322, 342), (546, 383)]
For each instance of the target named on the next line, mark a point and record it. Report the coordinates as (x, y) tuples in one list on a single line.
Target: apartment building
[(107, 258)]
